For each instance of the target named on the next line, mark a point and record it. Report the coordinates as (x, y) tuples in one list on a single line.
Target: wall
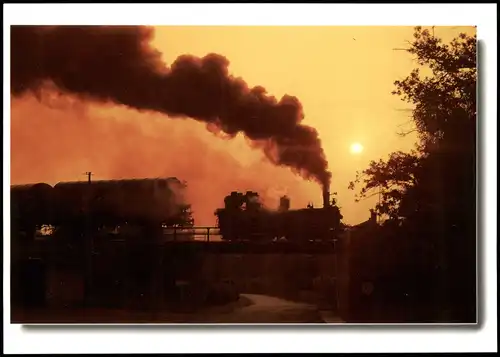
[(314, 276), (303, 277)]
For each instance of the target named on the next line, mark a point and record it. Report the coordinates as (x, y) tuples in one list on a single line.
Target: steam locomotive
[(79, 206), (244, 218)]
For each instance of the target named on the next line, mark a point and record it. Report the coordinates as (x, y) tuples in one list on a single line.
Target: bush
[(222, 293)]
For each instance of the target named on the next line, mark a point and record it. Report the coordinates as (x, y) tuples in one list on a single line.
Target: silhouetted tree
[(432, 189), (184, 218), (392, 178)]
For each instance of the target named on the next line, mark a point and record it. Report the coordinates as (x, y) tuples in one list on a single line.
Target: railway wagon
[(31, 207), (140, 202), (147, 204)]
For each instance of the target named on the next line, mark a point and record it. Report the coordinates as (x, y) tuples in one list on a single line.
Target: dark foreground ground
[(249, 309)]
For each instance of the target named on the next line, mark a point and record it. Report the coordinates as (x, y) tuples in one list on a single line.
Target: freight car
[(244, 218), (80, 207), (31, 207)]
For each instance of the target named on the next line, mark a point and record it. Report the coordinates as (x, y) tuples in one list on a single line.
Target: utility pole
[(89, 175)]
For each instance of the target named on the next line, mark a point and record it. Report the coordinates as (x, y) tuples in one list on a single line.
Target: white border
[(17, 340)]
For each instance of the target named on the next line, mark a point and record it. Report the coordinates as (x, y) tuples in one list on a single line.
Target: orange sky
[(342, 75)]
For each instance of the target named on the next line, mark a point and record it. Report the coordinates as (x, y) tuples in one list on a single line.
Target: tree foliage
[(391, 179), (185, 217), (431, 192), (444, 103), (444, 117)]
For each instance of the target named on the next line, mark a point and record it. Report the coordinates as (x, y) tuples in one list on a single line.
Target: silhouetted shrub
[(222, 293)]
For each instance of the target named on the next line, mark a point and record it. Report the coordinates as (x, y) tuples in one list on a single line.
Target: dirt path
[(267, 309)]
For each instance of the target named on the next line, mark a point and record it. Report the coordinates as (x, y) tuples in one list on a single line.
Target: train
[(244, 218), (150, 207), (150, 204)]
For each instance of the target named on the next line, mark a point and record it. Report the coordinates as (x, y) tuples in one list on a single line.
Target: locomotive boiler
[(244, 218)]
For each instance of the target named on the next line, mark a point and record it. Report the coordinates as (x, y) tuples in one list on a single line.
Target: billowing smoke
[(116, 64), (62, 137)]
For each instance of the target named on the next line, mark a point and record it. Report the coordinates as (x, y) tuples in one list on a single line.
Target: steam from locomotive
[(116, 64)]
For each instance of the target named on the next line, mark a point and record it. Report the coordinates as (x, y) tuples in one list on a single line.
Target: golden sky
[(342, 75)]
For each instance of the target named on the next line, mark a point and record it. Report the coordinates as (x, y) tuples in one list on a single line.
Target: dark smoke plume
[(116, 64)]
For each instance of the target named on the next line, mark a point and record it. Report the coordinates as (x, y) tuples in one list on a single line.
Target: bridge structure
[(196, 233), (311, 271), (177, 237)]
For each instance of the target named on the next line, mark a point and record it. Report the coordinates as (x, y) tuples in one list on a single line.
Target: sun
[(356, 148)]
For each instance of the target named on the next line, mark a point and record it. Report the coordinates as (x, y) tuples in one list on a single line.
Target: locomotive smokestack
[(284, 203), (326, 197)]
